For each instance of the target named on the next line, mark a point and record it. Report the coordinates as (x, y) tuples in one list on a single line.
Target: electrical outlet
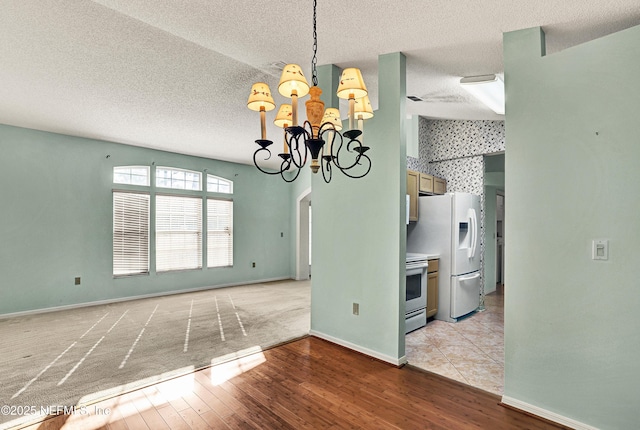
[(281, 234), (356, 308), (253, 264), (77, 280)]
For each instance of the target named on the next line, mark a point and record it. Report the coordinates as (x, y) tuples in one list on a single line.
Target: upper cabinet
[(426, 184), (413, 183), (422, 184), (439, 185)]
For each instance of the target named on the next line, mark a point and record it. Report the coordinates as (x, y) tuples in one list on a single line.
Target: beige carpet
[(78, 356)]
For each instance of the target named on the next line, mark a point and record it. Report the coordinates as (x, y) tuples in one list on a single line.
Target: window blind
[(130, 233), (178, 233), (219, 233)]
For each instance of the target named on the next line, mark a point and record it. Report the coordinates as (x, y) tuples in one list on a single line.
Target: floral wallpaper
[(454, 150), (464, 175), (414, 164), (446, 139)]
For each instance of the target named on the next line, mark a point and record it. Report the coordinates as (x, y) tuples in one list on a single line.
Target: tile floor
[(470, 351)]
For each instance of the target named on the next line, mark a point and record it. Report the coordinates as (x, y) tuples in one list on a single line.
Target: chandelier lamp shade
[(260, 100), (362, 111), (320, 137)]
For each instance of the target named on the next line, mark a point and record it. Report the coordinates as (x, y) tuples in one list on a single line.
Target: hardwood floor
[(306, 384)]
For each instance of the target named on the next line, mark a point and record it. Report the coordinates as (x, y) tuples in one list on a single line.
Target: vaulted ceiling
[(175, 74)]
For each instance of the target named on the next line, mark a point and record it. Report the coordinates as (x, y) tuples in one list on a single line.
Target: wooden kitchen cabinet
[(432, 288), (426, 184), (413, 183), (439, 185), (422, 184)]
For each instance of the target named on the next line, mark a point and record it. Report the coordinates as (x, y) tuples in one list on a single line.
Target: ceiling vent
[(414, 98), (279, 65), (273, 69)]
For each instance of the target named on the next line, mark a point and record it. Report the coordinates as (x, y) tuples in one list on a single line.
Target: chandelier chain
[(314, 60)]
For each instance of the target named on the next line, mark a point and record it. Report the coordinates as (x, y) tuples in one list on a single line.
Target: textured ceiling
[(175, 74)]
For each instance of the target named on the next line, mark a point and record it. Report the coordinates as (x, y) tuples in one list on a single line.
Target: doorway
[(472, 350), (303, 235), (494, 197)]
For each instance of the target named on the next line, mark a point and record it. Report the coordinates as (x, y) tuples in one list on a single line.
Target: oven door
[(416, 297)]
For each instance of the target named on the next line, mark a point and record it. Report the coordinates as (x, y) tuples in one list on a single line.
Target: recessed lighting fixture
[(489, 89), (414, 98)]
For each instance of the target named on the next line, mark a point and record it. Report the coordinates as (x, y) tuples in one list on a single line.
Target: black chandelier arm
[(341, 147), (298, 159), (327, 172), (293, 178), (255, 162), (285, 166), (292, 138), (326, 127), (333, 140), (361, 157), (354, 145), (339, 154)]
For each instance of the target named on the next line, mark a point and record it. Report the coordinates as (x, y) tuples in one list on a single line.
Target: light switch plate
[(600, 249)]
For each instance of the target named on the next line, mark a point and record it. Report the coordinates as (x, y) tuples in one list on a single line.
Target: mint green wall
[(57, 222), (359, 233), (495, 179), (494, 164), (571, 324)]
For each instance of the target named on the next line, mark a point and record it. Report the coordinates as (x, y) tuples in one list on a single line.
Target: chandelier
[(320, 136)]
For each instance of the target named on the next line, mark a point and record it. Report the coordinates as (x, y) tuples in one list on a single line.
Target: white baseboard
[(543, 413), (366, 351), (143, 296)]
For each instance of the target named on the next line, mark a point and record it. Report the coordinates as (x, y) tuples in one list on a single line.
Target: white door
[(465, 255), (465, 294)]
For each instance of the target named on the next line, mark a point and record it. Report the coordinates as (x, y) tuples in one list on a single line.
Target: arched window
[(181, 210), (216, 184)]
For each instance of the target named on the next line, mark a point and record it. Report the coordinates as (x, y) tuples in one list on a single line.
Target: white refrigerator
[(448, 225)]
